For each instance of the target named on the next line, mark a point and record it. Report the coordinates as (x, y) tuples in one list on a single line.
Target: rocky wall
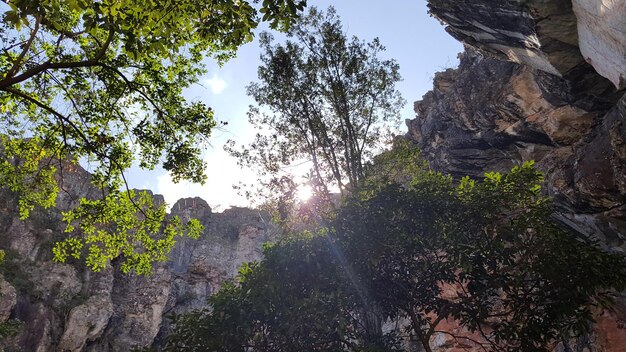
[(539, 80), (489, 115), (560, 37), (66, 307)]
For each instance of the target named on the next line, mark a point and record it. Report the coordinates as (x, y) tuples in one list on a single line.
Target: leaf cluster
[(122, 224), (102, 82)]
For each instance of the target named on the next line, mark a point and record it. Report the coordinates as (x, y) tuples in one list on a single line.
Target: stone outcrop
[(526, 90), (602, 36), (561, 37), (66, 307), (8, 299), (86, 323), (491, 115), (543, 81)]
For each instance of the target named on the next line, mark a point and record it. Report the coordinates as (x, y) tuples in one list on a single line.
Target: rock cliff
[(561, 37), (543, 81), (490, 115), (531, 87), (66, 307)]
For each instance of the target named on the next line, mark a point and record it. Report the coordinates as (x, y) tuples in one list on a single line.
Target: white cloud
[(216, 84), (222, 173)]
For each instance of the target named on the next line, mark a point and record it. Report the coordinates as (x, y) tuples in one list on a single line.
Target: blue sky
[(416, 41)]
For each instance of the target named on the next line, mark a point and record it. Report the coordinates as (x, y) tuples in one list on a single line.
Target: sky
[(415, 40)]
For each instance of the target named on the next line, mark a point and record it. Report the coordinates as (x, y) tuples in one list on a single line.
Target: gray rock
[(560, 37), (8, 299), (86, 323), (70, 308)]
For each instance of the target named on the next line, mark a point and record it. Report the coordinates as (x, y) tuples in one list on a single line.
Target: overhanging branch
[(10, 81)]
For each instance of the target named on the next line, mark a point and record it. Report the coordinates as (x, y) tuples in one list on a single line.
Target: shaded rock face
[(538, 82), (489, 115), (556, 109), (543, 37), (66, 307), (561, 37)]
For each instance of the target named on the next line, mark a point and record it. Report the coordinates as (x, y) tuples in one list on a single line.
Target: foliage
[(288, 302), (20, 172), (324, 99), (102, 81), (401, 164), (10, 328), (484, 253), (137, 233)]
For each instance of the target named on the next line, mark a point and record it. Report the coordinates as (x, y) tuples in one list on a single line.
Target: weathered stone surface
[(138, 306), (39, 330), (602, 36), (86, 322), (26, 246), (545, 35), (8, 299), (541, 34), (199, 268), (70, 308)]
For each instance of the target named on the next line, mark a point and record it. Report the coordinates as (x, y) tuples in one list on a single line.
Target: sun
[(304, 192)]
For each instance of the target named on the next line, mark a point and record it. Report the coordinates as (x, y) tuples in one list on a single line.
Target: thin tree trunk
[(424, 339)]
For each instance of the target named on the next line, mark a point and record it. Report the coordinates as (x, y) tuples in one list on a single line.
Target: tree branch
[(9, 81), (26, 47), (129, 84), (88, 143)]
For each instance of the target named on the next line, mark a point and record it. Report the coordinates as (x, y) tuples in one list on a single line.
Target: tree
[(291, 301), (486, 254), (102, 81), (322, 98), (483, 253)]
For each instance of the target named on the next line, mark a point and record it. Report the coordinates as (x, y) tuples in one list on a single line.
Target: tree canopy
[(485, 254), (323, 98), (102, 82)]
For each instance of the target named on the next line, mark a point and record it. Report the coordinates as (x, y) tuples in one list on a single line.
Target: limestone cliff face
[(561, 37), (66, 307), (491, 115), (539, 80)]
